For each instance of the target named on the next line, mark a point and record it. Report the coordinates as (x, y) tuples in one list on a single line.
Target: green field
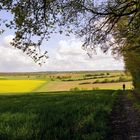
[(64, 116), (59, 105)]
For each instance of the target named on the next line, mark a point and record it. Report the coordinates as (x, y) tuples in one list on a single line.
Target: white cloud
[(12, 59), (68, 55), (7, 40)]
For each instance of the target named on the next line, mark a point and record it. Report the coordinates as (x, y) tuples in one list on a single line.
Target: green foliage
[(105, 81), (94, 75), (84, 83), (96, 81), (75, 89), (128, 34), (63, 116), (94, 23), (133, 65), (95, 88), (120, 79)]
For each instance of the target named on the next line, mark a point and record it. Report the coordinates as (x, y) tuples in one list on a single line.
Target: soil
[(124, 120)]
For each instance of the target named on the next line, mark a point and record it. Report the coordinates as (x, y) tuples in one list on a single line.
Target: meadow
[(80, 115), (59, 105)]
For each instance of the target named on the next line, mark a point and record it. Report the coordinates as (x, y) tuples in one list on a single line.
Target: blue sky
[(65, 54)]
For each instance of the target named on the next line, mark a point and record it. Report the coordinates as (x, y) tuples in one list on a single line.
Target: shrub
[(88, 75), (75, 89), (105, 81), (112, 81), (84, 89), (101, 74), (97, 81), (122, 79), (95, 88), (84, 83)]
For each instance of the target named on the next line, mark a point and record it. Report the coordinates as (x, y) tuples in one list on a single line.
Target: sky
[(65, 54)]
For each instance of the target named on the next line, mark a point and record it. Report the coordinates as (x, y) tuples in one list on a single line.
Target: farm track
[(125, 120)]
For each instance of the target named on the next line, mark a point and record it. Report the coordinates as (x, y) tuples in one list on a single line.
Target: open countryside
[(69, 69), (62, 105), (65, 105), (69, 81)]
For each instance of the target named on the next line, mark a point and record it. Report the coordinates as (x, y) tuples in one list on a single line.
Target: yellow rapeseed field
[(8, 86)]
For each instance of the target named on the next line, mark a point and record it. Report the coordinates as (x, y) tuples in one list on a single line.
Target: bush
[(84, 83), (97, 81), (113, 81), (101, 74), (105, 81), (89, 75), (122, 79), (95, 88), (75, 89), (83, 89)]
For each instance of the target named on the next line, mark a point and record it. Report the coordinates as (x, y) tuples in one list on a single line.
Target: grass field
[(82, 115)]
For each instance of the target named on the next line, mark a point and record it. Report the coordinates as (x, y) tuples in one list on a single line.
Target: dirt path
[(125, 121)]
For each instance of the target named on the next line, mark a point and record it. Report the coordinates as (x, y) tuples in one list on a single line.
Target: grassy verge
[(135, 100), (67, 116)]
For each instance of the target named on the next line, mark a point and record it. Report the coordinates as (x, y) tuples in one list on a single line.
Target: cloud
[(67, 55), (70, 56), (7, 40), (12, 59)]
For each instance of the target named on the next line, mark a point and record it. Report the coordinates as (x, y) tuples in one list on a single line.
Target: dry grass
[(66, 86)]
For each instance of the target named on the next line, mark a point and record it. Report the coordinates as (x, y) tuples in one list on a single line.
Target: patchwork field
[(70, 86), (63, 81)]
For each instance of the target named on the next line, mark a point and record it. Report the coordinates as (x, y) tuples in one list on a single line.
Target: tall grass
[(64, 116)]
